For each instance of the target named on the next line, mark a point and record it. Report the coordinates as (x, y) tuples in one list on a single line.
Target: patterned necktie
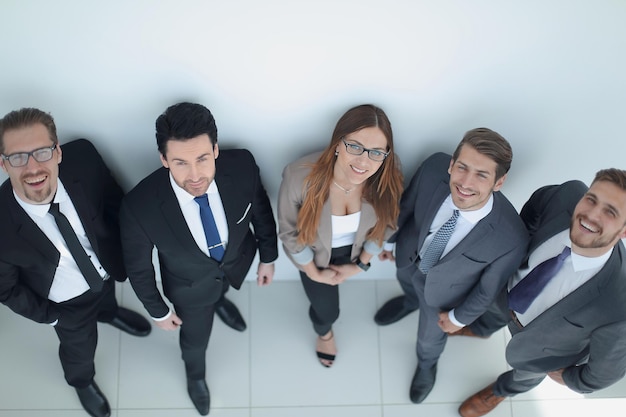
[(81, 258), (216, 247), (438, 244), (524, 293)]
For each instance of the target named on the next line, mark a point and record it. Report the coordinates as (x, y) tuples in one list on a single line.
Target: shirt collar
[(183, 196), (40, 210), (583, 263), (472, 216)]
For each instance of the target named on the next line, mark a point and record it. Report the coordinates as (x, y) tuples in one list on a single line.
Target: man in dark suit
[(197, 262), (453, 272), (41, 276), (573, 328)]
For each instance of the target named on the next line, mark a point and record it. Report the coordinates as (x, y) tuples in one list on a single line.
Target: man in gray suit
[(456, 284), (574, 328)]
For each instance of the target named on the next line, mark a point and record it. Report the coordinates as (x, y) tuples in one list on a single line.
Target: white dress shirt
[(68, 281), (191, 213), (576, 271)]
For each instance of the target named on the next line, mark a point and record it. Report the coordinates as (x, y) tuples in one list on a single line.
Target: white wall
[(548, 75)]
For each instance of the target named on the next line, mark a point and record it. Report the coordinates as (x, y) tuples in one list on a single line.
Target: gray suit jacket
[(472, 274), (585, 332)]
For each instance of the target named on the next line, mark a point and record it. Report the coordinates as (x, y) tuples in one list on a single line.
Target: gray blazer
[(585, 332), (471, 275), (290, 198)]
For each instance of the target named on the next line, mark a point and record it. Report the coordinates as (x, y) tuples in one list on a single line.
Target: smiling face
[(191, 163), (599, 219), (35, 182), (351, 170), (473, 179)]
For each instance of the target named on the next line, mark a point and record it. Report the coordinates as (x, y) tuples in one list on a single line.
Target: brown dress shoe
[(466, 331), (480, 403)]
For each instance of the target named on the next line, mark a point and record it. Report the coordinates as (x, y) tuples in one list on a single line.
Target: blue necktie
[(524, 293), (216, 247), (77, 251), (438, 244)]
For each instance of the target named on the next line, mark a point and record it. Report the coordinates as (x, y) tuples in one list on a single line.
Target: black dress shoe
[(392, 311), (130, 322), (230, 315), (199, 394), (423, 382), (94, 401)]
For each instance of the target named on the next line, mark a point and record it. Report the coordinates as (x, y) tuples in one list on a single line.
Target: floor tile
[(317, 411), (286, 371)]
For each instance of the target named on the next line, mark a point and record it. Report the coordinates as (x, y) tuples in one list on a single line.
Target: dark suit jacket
[(588, 325), (151, 217), (28, 260), (472, 274)]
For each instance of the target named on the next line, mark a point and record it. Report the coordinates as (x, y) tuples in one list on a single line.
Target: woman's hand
[(345, 271)]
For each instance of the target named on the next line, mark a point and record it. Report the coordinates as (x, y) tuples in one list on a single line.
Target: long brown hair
[(382, 190)]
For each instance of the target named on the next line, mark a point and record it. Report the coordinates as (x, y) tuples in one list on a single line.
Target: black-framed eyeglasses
[(21, 158), (373, 154)]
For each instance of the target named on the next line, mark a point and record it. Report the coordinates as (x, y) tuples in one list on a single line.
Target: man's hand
[(173, 322), (264, 274), (557, 376), (386, 255), (445, 324)]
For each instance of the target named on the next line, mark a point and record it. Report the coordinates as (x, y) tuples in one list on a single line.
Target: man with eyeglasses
[(60, 250), (458, 240)]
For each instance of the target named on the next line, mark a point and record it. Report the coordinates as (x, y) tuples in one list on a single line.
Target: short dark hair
[(26, 117), (184, 121), (490, 144), (612, 175)]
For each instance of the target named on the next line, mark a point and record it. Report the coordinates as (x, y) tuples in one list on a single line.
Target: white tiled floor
[(270, 370)]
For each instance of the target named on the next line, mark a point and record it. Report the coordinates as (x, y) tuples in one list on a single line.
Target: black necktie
[(216, 247), (524, 293), (92, 276)]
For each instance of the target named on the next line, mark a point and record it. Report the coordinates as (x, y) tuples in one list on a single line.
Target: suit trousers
[(431, 340), (324, 298), (77, 331), (194, 337)]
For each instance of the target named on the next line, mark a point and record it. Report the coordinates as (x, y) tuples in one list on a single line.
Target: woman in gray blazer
[(335, 210)]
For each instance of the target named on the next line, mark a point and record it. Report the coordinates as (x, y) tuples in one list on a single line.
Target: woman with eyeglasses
[(336, 208)]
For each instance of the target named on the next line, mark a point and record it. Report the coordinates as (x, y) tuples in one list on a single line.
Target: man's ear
[(499, 183), (164, 161)]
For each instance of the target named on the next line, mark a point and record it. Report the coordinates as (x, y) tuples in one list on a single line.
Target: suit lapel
[(232, 206), (173, 217), (26, 229), (439, 195)]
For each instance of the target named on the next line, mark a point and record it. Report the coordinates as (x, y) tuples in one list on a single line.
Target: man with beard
[(197, 211), (566, 305), (60, 250)]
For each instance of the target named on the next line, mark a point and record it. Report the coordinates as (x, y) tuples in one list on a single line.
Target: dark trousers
[(194, 337), (324, 298), (77, 331)]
